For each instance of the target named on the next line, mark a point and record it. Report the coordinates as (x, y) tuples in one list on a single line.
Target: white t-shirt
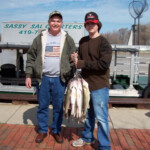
[(51, 66)]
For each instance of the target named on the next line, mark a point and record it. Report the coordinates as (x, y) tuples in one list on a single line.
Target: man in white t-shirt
[(49, 61)]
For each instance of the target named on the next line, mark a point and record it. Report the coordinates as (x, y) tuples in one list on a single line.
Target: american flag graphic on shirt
[(52, 50)]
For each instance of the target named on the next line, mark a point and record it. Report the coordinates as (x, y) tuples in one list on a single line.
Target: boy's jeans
[(99, 110)]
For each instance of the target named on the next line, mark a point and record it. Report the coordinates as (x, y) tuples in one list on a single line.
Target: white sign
[(25, 32)]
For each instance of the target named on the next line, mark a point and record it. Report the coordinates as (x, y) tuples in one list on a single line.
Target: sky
[(114, 14)]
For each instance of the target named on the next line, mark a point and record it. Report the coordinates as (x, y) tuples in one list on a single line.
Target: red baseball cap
[(91, 17)]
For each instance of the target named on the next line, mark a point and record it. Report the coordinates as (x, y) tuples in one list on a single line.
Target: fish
[(73, 101), (77, 98), (67, 101), (86, 98)]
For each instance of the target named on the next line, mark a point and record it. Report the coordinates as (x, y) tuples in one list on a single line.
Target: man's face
[(55, 23), (91, 27)]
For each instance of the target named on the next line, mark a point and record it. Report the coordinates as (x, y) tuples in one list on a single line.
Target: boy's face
[(91, 27)]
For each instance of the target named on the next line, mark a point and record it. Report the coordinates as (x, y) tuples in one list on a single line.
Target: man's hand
[(74, 57), (28, 83)]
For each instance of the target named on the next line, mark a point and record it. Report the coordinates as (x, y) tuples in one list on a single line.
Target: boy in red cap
[(94, 58)]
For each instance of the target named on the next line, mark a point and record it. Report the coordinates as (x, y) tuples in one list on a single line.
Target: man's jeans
[(51, 87), (99, 110)]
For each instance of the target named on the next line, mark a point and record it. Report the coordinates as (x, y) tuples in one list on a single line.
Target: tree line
[(122, 35)]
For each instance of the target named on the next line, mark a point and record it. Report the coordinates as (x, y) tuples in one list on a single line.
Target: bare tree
[(112, 37), (122, 35), (118, 37), (145, 34)]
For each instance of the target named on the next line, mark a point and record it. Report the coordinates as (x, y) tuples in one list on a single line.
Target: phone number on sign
[(28, 32)]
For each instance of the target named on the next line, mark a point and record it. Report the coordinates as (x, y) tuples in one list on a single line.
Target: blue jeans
[(99, 110), (51, 87)]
